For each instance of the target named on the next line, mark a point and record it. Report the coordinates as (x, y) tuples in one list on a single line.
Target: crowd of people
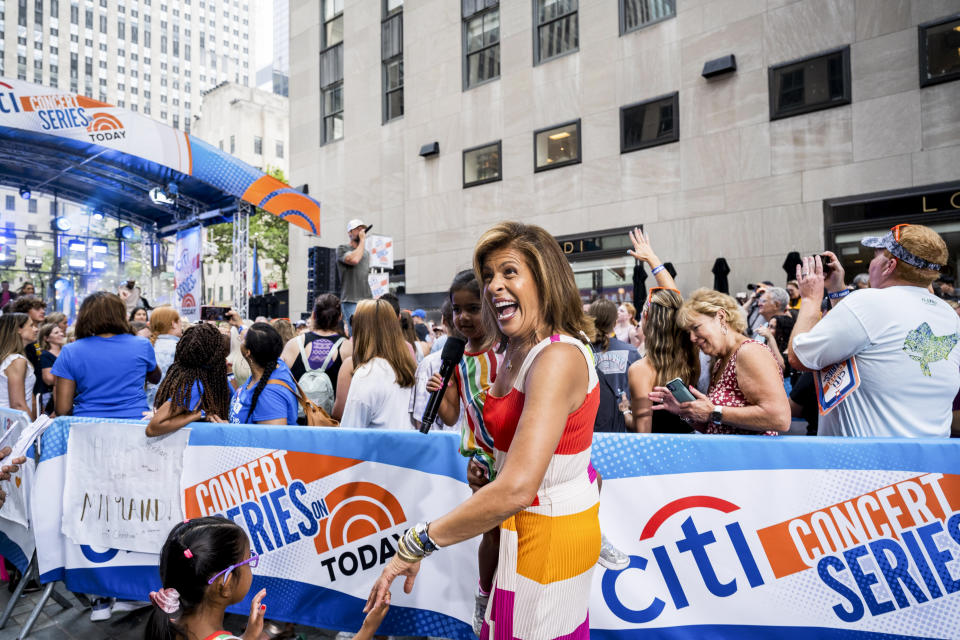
[(541, 371)]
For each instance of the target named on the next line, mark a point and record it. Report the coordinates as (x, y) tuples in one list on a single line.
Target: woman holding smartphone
[(746, 394)]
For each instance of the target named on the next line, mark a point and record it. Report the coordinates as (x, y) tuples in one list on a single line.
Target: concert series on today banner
[(727, 537)]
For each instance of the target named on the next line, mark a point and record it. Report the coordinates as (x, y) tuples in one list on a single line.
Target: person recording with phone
[(752, 306), (895, 342), (746, 394), (353, 261)]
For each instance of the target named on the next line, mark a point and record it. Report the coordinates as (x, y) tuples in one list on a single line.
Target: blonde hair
[(561, 307), (668, 346), (709, 302), (632, 310), (285, 329), (376, 334), (162, 320), (925, 243)]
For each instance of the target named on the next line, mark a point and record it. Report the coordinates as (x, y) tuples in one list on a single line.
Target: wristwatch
[(716, 416)]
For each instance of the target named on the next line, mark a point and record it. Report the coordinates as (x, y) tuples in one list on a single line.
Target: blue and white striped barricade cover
[(790, 537), (323, 507), (16, 539)]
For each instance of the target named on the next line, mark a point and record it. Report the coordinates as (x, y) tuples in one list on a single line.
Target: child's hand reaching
[(255, 621), (373, 620)]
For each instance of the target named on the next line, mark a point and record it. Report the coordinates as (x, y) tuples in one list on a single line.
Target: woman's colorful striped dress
[(475, 375), (548, 550)]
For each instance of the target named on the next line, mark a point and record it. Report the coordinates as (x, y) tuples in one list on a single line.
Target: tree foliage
[(268, 233)]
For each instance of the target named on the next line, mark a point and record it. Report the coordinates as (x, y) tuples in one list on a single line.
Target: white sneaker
[(479, 610), (611, 557), (100, 610)]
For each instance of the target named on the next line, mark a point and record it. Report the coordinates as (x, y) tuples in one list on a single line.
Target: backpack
[(315, 383), (609, 416), (316, 415)]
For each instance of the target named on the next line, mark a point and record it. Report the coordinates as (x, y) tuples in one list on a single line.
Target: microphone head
[(453, 349)]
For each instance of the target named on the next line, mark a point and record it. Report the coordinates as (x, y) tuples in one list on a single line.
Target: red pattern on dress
[(725, 392)]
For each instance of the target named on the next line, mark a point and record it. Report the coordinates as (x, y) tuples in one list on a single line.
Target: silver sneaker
[(479, 610), (611, 557)]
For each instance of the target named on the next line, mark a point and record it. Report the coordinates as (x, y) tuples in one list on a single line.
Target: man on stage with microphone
[(353, 261)]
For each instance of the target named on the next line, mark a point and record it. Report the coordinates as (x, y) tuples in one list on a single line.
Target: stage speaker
[(322, 273)]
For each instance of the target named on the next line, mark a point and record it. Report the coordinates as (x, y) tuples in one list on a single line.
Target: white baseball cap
[(353, 224)]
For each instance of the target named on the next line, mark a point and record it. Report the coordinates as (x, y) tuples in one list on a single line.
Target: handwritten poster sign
[(122, 489), (379, 284), (381, 252)]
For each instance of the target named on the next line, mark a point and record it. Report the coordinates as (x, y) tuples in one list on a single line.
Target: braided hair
[(214, 543), (201, 356), (264, 345)]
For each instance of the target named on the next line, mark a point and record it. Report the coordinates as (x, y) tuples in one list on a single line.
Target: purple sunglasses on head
[(253, 561)]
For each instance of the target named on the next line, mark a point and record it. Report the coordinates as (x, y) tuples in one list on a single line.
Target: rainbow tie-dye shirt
[(475, 375)]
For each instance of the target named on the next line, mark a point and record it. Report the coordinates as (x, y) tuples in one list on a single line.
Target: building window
[(331, 72), (391, 30), (258, 145), (939, 51), (818, 82), (635, 14), (11, 203), (557, 146), (32, 206), (557, 31), (481, 42), (332, 22), (650, 123), (279, 153), (481, 165), (221, 145), (233, 144)]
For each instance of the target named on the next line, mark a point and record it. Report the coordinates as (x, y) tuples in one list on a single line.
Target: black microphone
[(449, 358)]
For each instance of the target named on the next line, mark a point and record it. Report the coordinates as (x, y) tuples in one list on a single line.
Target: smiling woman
[(540, 409)]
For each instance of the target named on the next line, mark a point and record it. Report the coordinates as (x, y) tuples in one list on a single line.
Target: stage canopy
[(128, 166)]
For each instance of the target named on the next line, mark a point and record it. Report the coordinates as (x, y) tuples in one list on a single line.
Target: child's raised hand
[(372, 622), (255, 621)]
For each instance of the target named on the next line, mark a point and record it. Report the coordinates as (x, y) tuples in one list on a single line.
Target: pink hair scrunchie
[(167, 600)]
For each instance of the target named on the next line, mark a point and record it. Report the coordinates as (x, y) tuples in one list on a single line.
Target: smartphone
[(367, 228), (827, 265), (215, 314), (680, 391)]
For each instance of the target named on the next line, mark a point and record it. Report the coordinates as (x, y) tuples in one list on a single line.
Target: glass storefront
[(600, 264), (848, 220)]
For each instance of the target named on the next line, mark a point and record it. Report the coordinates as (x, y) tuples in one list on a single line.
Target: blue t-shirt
[(614, 362), (275, 401), (109, 374), (195, 397)]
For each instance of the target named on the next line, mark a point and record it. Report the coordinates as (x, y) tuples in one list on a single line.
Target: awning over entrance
[(112, 159)]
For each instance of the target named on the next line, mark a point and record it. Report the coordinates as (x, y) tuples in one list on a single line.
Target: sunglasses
[(253, 561), (896, 231)]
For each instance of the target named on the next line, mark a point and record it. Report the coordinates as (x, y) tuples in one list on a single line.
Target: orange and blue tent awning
[(91, 152)]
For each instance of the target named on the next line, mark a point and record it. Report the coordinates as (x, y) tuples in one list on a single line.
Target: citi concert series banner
[(186, 279), (728, 537)]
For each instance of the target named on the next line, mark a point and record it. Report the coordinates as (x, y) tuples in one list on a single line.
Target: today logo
[(268, 497), (105, 127)]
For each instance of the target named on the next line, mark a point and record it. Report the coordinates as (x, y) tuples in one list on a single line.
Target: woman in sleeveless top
[(16, 373), (540, 412), (319, 343), (746, 394)]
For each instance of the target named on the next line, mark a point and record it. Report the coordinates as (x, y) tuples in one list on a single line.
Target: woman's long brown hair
[(376, 334), (668, 345)]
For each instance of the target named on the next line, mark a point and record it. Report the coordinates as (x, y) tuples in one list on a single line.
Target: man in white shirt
[(885, 359)]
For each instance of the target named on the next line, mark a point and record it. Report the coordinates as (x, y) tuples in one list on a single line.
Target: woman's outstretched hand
[(380, 594)]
